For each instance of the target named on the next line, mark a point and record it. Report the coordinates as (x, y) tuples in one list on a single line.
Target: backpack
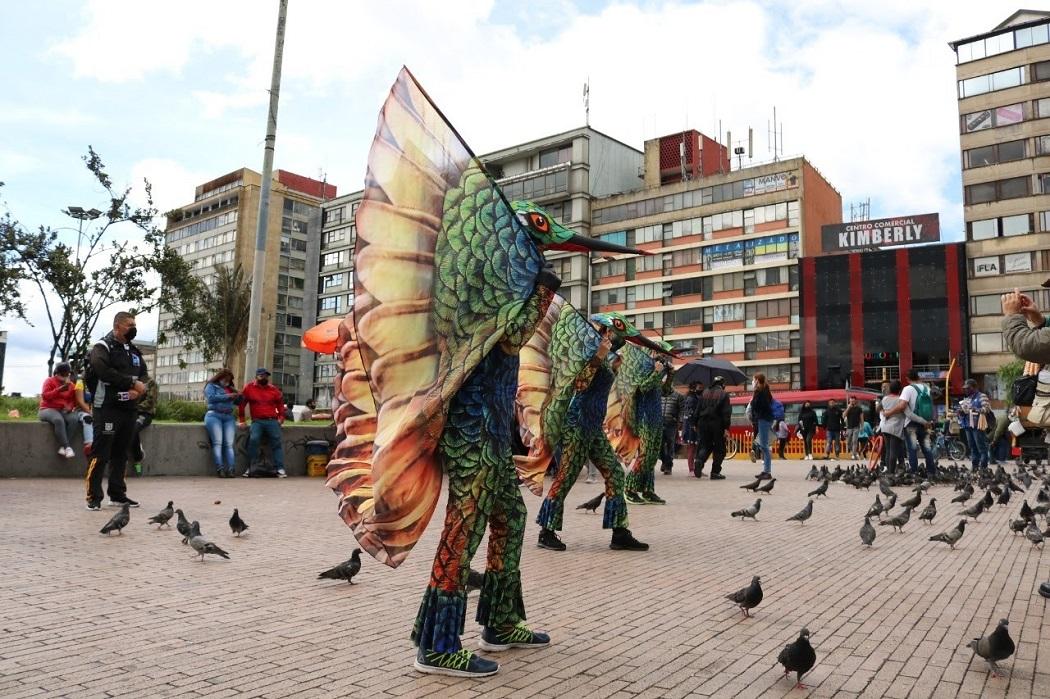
[(923, 403), (778, 410), (90, 377)]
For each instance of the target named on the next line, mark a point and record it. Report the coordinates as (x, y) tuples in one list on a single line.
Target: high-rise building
[(219, 228), (1003, 78), (723, 276), (335, 284)]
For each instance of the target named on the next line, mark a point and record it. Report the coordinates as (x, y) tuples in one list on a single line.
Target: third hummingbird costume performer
[(652, 380), (570, 371), (450, 282)]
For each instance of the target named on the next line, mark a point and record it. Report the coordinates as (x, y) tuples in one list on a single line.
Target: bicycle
[(732, 446), (948, 446)]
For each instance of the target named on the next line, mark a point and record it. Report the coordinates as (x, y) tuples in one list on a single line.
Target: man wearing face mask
[(266, 403), (118, 370)]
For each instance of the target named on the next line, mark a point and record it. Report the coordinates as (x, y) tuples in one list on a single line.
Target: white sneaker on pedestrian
[(67, 452), (281, 473)]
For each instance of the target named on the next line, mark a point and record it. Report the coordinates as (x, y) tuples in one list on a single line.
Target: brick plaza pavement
[(82, 615)]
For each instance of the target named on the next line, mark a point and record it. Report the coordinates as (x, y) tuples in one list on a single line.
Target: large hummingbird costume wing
[(558, 352), (441, 266), (620, 418)]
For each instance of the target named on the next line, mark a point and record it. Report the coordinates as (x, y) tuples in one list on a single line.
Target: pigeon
[(821, 489), (930, 511), (803, 514), (238, 525), (885, 489), (891, 502), (965, 495), (749, 597), (162, 517), (898, 521), (994, 647), (748, 511), (1042, 496), (202, 545), (117, 521), (753, 485), (867, 533), (988, 500), (1033, 534), (1018, 525), (876, 509), (974, 510), (592, 504), (1041, 509), (1004, 497), (914, 501), (952, 536), (345, 570), (183, 525), (1026, 512), (799, 657), (813, 473), (768, 486)]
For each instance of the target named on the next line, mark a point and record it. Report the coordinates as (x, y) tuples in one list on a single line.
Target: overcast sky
[(177, 91)]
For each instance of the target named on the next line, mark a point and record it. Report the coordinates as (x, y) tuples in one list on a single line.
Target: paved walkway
[(82, 615)]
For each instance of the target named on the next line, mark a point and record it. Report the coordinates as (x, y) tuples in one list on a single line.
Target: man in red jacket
[(57, 404), (266, 403)]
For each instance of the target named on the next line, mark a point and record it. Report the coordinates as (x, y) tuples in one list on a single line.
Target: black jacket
[(762, 406), (833, 419), (689, 405), (671, 407), (807, 420), (117, 366), (713, 407), (853, 413)]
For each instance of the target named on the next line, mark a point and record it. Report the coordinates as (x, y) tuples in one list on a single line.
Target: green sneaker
[(634, 498), (462, 663), (138, 469), (518, 636), (653, 499)]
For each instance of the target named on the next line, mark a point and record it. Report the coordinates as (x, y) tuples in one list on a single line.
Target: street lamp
[(81, 215)]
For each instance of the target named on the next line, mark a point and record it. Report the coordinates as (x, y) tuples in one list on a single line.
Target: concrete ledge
[(29, 450)]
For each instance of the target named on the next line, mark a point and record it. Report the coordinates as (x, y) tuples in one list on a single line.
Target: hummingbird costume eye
[(618, 324), (539, 222)]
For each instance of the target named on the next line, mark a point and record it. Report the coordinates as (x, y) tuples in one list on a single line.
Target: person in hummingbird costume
[(568, 369), (657, 376), (450, 282)]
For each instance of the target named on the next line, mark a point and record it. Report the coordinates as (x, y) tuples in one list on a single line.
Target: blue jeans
[(222, 431), (271, 429), (916, 437), (762, 435), (978, 442), (834, 439)]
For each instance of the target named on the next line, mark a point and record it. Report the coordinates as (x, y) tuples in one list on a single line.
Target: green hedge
[(180, 411), (26, 406)]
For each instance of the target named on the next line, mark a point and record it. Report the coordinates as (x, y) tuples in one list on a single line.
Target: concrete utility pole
[(251, 355)]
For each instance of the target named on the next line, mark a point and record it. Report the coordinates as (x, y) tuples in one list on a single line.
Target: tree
[(106, 267), (230, 300), (1008, 373)]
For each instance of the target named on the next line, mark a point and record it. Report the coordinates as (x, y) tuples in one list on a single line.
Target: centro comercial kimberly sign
[(880, 233)]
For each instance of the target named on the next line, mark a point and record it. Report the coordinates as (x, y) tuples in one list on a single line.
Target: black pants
[(893, 452), (711, 439), (113, 431), (142, 421), (668, 446), (781, 446)]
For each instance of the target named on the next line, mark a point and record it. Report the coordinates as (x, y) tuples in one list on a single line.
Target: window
[(1042, 108), (330, 303), (1016, 225), (685, 287), (649, 263), (687, 316), (648, 321), (995, 153), (332, 237), (728, 344), (1044, 221), (332, 280), (997, 190), (990, 118), (1041, 71), (553, 156), (1030, 36), (648, 234), (617, 237), (1044, 183), (985, 266), (980, 84), (987, 342), (685, 258), (1017, 262), (332, 259), (333, 216), (724, 313), (995, 227), (986, 305), (728, 282), (324, 371)]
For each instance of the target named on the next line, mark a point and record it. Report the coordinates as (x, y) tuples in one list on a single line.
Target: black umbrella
[(706, 369)]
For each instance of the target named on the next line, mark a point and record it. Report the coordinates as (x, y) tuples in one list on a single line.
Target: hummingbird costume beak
[(579, 243), (643, 341)]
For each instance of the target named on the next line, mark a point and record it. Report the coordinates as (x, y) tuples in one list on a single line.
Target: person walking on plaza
[(973, 416), (118, 370), (783, 432), (832, 429), (689, 405), (916, 436), (762, 411), (266, 403), (807, 427), (854, 416), (220, 422), (671, 405), (58, 403), (713, 413), (144, 412)]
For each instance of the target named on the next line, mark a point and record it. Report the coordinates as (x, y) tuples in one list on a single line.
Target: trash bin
[(317, 457)]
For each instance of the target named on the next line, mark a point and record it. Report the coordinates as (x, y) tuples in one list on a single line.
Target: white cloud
[(173, 183)]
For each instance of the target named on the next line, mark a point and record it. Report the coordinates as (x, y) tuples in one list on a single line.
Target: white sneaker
[(281, 473), (809, 457), (67, 452)]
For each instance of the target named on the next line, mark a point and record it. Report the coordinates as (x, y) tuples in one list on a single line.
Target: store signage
[(985, 266), (880, 233)]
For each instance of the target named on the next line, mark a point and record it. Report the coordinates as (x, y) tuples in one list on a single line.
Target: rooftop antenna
[(860, 211), (681, 147), (777, 147), (587, 102)]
